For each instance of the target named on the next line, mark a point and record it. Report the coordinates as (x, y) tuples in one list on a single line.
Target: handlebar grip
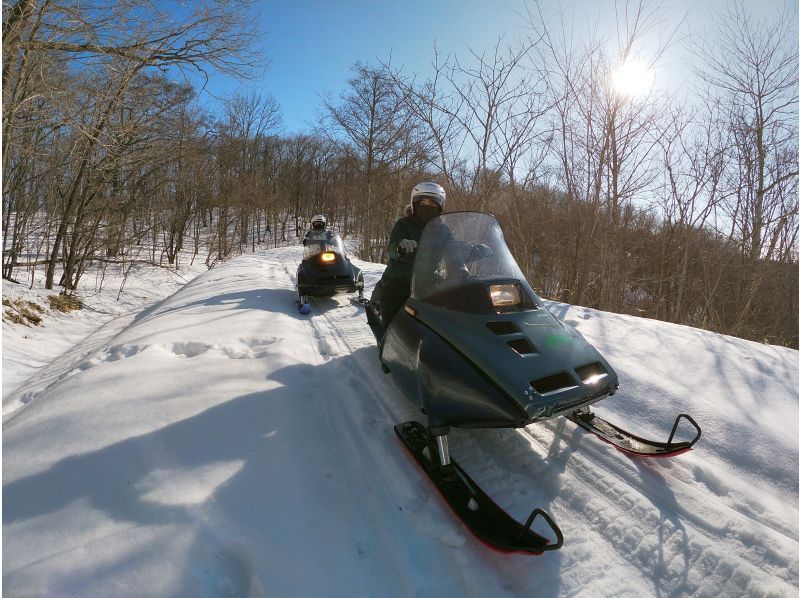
[(405, 252)]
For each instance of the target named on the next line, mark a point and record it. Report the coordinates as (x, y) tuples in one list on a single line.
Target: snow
[(111, 301), (206, 439)]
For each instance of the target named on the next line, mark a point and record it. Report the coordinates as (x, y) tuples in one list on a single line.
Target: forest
[(645, 204)]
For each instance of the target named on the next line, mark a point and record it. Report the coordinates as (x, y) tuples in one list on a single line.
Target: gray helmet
[(428, 190)]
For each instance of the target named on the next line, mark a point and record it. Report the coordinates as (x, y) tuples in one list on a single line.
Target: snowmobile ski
[(303, 306), (374, 321), (630, 443), (482, 516), (362, 302)]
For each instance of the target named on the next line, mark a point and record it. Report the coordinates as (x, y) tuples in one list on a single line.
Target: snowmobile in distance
[(475, 347), (325, 270)]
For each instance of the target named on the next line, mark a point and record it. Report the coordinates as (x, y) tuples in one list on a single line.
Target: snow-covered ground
[(219, 443), (110, 302)]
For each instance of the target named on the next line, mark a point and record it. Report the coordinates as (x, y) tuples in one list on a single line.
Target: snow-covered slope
[(223, 444), (36, 355)]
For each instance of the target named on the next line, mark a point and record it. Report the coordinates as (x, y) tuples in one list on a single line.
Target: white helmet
[(319, 218), (432, 191)]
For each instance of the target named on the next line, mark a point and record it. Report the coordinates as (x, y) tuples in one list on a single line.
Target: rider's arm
[(399, 232)]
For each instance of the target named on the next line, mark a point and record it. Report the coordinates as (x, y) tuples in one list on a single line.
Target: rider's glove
[(407, 246), (480, 250)]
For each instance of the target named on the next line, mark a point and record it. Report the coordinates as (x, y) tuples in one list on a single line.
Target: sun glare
[(632, 78)]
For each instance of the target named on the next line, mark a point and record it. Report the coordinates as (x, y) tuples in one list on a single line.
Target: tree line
[(680, 210)]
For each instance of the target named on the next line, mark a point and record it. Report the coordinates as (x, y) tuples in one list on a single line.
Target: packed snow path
[(223, 444)]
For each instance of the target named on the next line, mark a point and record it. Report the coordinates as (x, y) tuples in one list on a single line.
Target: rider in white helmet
[(427, 202), (318, 228)]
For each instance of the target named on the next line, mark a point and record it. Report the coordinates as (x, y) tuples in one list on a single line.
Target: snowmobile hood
[(469, 289), (542, 364)]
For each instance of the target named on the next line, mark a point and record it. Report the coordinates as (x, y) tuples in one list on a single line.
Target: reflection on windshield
[(321, 242), (458, 249)]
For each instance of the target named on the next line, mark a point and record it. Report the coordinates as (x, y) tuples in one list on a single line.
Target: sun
[(632, 78)]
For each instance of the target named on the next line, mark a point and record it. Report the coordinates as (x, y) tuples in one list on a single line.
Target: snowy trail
[(630, 505), (223, 444), (675, 540)]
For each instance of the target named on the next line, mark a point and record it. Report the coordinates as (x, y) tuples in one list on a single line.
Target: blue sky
[(313, 43)]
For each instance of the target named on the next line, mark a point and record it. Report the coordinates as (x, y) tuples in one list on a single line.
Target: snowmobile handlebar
[(675, 429), (556, 530)]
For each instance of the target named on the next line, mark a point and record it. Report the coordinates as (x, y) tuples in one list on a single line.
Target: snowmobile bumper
[(322, 288), (567, 404)]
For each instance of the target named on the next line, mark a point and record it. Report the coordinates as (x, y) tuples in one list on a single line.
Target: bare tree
[(603, 142), (752, 71), (115, 43), (498, 103), (374, 119), (249, 121), (693, 160), (436, 106)]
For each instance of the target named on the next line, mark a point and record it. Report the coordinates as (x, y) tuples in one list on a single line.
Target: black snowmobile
[(475, 347), (325, 269)]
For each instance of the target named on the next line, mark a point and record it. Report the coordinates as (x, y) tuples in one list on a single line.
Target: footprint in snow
[(246, 348), (711, 482), (115, 353), (452, 539), (249, 348), (189, 349)]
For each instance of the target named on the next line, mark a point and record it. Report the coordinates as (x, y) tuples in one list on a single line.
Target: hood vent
[(503, 327), (522, 346)]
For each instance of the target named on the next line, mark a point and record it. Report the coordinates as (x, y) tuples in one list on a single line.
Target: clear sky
[(313, 43)]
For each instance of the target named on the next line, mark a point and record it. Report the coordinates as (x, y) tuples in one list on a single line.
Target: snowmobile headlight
[(594, 379), (328, 256), (504, 295)]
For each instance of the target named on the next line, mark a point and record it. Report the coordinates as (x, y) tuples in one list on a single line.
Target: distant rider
[(318, 229), (394, 288)]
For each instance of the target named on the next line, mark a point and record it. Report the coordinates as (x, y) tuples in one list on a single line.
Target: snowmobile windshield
[(463, 263), (323, 242)]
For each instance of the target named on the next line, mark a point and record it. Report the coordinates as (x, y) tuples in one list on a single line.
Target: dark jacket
[(323, 234), (401, 266)]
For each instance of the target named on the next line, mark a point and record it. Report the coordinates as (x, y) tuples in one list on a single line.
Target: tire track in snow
[(340, 330), (650, 517)]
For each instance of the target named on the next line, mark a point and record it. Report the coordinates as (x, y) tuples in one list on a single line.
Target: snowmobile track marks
[(663, 545)]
